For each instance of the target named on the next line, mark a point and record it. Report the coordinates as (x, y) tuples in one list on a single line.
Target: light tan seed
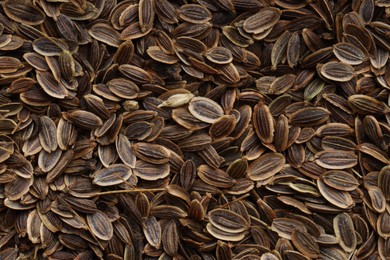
[(378, 200), (16, 189), (157, 54), (66, 134), (33, 227), (124, 150), (152, 232), (51, 86), (47, 161)]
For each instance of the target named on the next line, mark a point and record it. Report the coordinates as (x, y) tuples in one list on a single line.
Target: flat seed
[(341, 199), (262, 20), (194, 13), (340, 180), (47, 136), (100, 225), (305, 243), (205, 109), (345, 231), (151, 153), (83, 119), (228, 221), (24, 12), (309, 116), (336, 160), (263, 123), (337, 71), (112, 175), (266, 166), (348, 53)]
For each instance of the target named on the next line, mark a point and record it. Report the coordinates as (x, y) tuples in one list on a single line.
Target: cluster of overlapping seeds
[(194, 129)]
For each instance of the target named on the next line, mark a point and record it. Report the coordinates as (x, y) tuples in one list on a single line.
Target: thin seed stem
[(128, 191)]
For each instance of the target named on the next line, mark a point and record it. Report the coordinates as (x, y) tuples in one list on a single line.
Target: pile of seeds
[(224, 129)]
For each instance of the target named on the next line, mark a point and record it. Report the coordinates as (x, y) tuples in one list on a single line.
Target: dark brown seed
[(263, 123), (367, 105), (151, 153), (112, 175), (266, 166), (227, 221), (205, 109), (262, 20), (23, 12), (345, 231), (309, 116), (337, 71), (83, 119), (341, 199), (194, 13), (305, 243)]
